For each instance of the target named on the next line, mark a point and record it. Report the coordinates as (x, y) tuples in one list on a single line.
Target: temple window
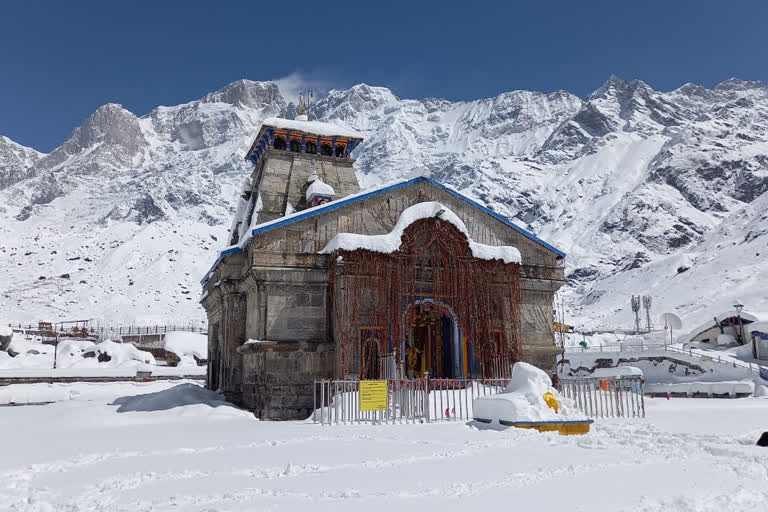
[(311, 147), (295, 145), (279, 143), (340, 150), (326, 150)]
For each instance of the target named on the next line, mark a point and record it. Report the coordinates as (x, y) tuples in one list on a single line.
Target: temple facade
[(322, 280)]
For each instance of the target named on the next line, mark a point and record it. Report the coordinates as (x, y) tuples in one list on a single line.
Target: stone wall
[(279, 377), (282, 179)]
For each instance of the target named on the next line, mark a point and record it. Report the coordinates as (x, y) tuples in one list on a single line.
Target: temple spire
[(302, 108)]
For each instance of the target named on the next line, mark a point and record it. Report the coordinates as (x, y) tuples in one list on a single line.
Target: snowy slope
[(632, 183)]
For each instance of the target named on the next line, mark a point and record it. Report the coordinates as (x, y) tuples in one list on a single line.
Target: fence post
[(426, 396)]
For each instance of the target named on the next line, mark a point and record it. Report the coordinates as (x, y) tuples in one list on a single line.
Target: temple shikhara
[(324, 280)]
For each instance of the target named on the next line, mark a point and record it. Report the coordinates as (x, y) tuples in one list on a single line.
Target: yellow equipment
[(551, 401)]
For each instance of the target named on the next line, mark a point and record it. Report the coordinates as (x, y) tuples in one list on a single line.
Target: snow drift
[(523, 400)]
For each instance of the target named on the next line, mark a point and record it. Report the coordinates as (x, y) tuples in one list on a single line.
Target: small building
[(323, 280), (726, 328)]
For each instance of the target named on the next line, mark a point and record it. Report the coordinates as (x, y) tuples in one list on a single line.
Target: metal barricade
[(619, 397), (427, 400), (418, 400)]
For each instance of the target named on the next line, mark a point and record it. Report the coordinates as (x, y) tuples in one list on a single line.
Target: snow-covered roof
[(362, 196), (721, 317), (391, 242), (313, 127), (319, 188)]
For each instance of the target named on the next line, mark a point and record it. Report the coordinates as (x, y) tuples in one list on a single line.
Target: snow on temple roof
[(362, 196), (391, 242), (319, 188), (313, 127)]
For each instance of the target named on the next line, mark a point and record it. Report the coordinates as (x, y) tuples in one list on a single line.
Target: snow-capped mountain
[(660, 193), (15, 161)]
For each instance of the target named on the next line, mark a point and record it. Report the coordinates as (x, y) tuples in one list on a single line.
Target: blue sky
[(59, 61)]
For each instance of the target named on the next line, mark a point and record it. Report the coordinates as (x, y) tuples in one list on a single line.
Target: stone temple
[(324, 280)]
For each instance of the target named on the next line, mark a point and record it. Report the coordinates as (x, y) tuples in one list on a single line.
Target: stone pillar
[(232, 335)]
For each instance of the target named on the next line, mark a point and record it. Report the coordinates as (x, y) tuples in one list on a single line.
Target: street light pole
[(56, 350), (739, 307)]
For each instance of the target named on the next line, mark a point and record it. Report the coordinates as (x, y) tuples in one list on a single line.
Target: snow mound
[(120, 354), (319, 188), (5, 330), (187, 344), (523, 400), (391, 242), (178, 396)]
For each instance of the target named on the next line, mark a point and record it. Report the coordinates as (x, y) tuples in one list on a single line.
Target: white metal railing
[(620, 397), (645, 347), (426, 400), (419, 400)]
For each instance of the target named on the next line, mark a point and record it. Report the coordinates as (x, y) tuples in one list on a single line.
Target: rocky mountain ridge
[(632, 183)]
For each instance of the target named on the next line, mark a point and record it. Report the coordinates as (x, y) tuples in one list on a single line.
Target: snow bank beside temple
[(523, 400), (118, 354), (187, 344), (392, 241)]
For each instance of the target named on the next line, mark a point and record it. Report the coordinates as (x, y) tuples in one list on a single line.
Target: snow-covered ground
[(181, 448)]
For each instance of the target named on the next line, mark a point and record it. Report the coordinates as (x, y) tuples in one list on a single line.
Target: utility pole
[(636, 311), (739, 337), (56, 350)]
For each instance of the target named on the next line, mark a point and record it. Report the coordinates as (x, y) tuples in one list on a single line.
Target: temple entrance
[(371, 364), (431, 304), (433, 344)]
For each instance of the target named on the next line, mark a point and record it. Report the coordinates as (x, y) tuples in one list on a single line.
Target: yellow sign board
[(373, 395)]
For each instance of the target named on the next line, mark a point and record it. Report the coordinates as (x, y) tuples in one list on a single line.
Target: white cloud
[(290, 86)]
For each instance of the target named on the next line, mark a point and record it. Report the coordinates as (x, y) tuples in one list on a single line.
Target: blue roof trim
[(344, 202), (222, 255), (341, 203), (335, 205), (498, 217)]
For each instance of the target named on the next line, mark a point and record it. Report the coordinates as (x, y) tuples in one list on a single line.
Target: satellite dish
[(671, 320)]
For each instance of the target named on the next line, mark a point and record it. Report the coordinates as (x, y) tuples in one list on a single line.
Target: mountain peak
[(737, 84), (246, 93), (15, 161)]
